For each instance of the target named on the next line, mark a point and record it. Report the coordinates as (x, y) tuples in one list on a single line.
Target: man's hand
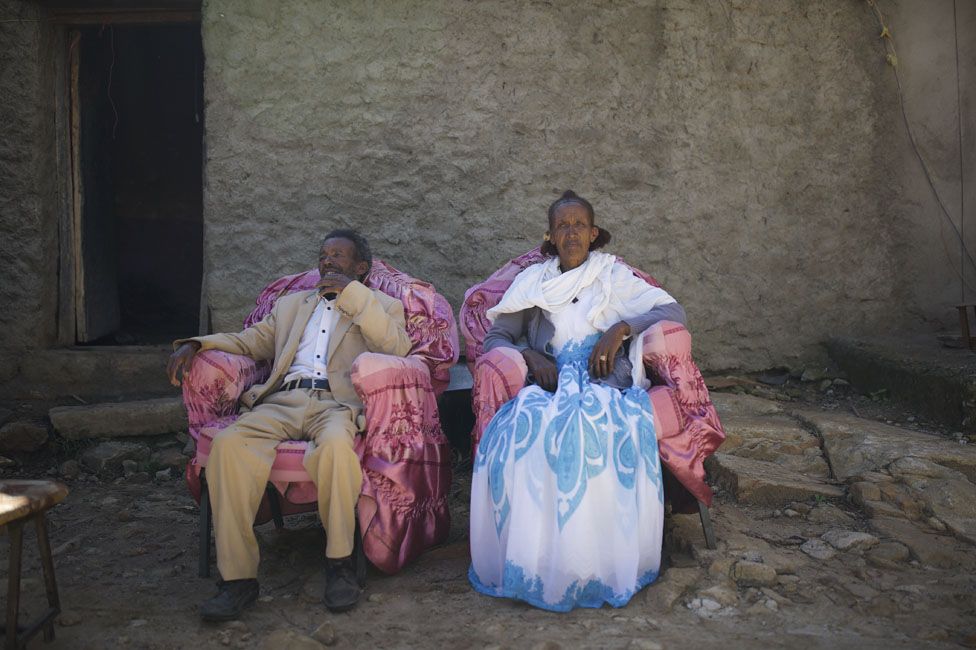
[(179, 361), (332, 282), (542, 369), (605, 350)]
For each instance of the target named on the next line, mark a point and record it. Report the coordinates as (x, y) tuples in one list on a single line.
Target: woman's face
[(572, 231)]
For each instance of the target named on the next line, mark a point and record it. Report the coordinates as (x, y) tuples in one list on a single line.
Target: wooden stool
[(21, 501)]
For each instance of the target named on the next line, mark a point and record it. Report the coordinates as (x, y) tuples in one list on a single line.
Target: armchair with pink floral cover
[(406, 459), (687, 426)]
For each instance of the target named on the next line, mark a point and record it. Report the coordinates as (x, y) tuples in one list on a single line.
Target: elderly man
[(313, 337)]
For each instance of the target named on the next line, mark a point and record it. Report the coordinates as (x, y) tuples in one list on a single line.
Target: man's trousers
[(240, 464)]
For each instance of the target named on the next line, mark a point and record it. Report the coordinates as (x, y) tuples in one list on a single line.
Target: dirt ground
[(126, 561)]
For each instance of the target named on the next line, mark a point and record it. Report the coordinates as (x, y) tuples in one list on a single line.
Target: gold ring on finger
[(603, 357)]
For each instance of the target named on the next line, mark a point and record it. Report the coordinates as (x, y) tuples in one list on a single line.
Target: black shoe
[(231, 599), (342, 587)]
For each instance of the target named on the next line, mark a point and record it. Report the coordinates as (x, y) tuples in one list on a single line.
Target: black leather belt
[(315, 384)]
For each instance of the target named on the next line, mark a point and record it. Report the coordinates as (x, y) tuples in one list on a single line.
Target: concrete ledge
[(93, 373), (936, 381), (149, 417)]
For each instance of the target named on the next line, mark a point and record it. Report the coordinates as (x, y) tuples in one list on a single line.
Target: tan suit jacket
[(369, 321)]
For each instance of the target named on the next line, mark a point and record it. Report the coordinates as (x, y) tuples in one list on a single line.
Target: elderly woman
[(567, 503)]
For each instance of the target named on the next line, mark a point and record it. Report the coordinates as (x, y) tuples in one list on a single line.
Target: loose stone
[(844, 540), (753, 574), (818, 549)]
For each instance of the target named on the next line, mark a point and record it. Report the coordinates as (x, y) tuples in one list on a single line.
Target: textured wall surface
[(734, 149), (750, 154), (28, 199), (926, 248)]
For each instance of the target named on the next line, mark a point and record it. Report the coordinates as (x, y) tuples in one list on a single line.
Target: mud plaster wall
[(733, 148), (925, 249), (28, 199)]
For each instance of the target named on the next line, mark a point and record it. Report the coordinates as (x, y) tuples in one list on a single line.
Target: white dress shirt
[(310, 358)]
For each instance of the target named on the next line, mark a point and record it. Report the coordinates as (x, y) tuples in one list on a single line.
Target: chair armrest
[(399, 403), (215, 382), (689, 428)]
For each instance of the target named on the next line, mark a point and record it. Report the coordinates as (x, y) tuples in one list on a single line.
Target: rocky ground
[(842, 522)]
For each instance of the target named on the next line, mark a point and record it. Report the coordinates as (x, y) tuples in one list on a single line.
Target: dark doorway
[(137, 141)]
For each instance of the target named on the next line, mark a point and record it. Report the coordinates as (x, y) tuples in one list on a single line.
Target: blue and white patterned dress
[(567, 505)]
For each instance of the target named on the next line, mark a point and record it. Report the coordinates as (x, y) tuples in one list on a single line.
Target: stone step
[(854, 445), (768, 484), (93, 373), (933, 380), (149, 417)]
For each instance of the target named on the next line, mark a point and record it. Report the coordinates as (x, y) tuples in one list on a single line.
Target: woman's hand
[(543, 370), (605, 350)]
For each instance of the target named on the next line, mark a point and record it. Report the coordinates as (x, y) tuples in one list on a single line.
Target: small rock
[(828, 514), (753, 574), (22, 436), (725, 596), (863, 491), (289, 640), (105, 459), (645, 644), (138, 622), (818, 549), (844, 540), (325, 634), (720, 568), (374, 598), (771, 604), (164, 474), (813, 374), (859, 590), (129, 467), (777, 513), (6, 463), (825, 384), (70, 469), (752, 556), (759, 609), (936, 524), (802, 508), (662, 595), (170, 457), (68, 619), (791, 513), (772, 594), (888, 552), (709, 605), (841, 383)]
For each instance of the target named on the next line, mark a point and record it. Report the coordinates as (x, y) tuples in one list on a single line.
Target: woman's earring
[(545, 237)]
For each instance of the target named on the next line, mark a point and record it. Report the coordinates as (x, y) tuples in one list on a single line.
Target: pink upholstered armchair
[(406, 459), (685, 420)]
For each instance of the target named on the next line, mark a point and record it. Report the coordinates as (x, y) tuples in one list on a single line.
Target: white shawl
[(622, 296)]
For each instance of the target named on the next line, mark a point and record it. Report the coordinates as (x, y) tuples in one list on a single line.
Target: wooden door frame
[(65, 17)]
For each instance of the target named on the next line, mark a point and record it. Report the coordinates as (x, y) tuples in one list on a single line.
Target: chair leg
[(359, 555), (706, 522), (50, 584), (206, 524), (275, 503), (13, 584)]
